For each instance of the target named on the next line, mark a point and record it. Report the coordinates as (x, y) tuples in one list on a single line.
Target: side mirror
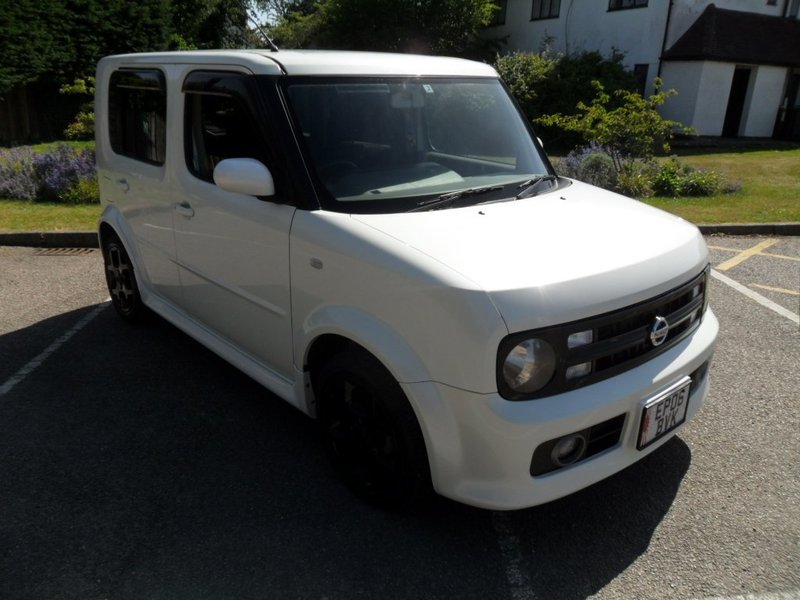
[(244, 176)]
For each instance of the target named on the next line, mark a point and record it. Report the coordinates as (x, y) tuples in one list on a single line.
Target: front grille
[(620, 340)]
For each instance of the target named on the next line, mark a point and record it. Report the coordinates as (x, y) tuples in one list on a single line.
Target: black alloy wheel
[(121, 280), (371, 432)]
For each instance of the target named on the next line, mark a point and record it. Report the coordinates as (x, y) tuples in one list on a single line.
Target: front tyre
[(121, 281), (371, 432)]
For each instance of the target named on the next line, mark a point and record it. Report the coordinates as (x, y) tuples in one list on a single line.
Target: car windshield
[(384, 145)]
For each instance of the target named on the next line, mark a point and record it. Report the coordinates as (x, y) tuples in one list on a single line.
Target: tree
[(546, 83), (46, 44), (631, 130), (211, 23), (31, 40), (423, 26), (275, 10)]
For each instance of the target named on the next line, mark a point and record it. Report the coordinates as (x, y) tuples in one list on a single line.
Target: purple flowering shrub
[(591, 164), (59, 174), (16, 173)]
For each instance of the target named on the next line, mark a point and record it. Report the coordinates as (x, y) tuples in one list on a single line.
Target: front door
[(787, 125), (232, 249), (736, 100)]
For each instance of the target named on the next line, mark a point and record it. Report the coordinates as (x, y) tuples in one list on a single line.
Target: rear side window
[(219, 124), (137, 112)]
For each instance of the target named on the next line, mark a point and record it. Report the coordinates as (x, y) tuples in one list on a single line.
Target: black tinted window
[(218, 127), (137, 111)]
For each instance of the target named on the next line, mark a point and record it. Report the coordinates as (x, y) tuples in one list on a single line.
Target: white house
[(735, 63)]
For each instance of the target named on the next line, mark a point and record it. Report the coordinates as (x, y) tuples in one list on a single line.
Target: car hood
[(572, 253)]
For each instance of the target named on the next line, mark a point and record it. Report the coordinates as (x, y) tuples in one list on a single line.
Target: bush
[(82, 127), (700, 183), (85, 191), (635, 179), (667, 181), (526, 76), (591, 164), (59, 174), (640, 178), (16, 174), (675, 180)]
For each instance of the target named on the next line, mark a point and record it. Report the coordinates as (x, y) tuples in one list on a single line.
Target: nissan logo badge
[(659, 331)]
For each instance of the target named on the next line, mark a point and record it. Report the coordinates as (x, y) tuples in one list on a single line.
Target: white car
[(380, 240)]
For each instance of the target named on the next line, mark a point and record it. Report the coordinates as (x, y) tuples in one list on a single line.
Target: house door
[(787, 126), (733, 114)]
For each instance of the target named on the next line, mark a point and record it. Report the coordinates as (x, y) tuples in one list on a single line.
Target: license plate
[(663, 413)]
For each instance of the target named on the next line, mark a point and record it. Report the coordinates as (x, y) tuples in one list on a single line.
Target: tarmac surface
[(136, 464)]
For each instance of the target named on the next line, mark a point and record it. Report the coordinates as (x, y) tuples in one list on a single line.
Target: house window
[(772, 2), (500, 15), (545, 9), (623, 4), (137, 114)]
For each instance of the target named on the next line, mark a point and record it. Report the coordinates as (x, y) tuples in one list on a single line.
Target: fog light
[(569, 449)]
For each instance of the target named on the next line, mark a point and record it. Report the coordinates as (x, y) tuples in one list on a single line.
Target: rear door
[(133, 171), (232, 249)]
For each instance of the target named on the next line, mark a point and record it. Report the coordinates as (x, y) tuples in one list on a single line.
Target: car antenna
[(269, 41)]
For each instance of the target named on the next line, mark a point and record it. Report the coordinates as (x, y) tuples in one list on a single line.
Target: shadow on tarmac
[(136, 464)]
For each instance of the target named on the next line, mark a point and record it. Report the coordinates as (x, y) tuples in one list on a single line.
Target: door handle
[(185, 209), (123, 185)]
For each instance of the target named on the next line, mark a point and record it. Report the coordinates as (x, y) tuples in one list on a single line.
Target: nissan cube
[(381, 241)]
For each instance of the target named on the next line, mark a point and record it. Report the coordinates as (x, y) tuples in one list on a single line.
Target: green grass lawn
[(770, 194), (770, 188), (19, 215), (78, 145)]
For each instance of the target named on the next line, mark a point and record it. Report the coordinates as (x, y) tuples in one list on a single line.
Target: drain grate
[(65, 251)]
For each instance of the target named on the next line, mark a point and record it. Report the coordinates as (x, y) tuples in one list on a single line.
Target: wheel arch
[(113, 224), (336, 328), (339, 329)]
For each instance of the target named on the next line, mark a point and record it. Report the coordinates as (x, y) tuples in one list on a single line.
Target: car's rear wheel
[(121, 280), (371, 431)]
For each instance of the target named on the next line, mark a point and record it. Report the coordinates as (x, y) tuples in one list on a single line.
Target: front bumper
[(480, 446)]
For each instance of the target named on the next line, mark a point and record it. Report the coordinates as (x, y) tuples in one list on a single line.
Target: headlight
[(529, 366)]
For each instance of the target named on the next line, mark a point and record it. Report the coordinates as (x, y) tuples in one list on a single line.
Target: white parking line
[(793, 595), (37, 361), (784, 312), (518, 579), (776, 289)]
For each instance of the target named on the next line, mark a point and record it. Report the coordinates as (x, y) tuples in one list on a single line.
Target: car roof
[(316, 62)]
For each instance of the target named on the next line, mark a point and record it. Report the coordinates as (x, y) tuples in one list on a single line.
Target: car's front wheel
[(371, 431)]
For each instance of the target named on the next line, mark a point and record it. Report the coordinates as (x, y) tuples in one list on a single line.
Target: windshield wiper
[(531, 184), (448, 199)]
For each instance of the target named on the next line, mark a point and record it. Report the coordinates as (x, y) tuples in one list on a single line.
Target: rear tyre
[(121, 281), (371, 432)]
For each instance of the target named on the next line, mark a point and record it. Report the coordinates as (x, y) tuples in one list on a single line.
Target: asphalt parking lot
[(136, 464)]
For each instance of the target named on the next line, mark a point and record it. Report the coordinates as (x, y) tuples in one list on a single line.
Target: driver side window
[(218, 127)]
